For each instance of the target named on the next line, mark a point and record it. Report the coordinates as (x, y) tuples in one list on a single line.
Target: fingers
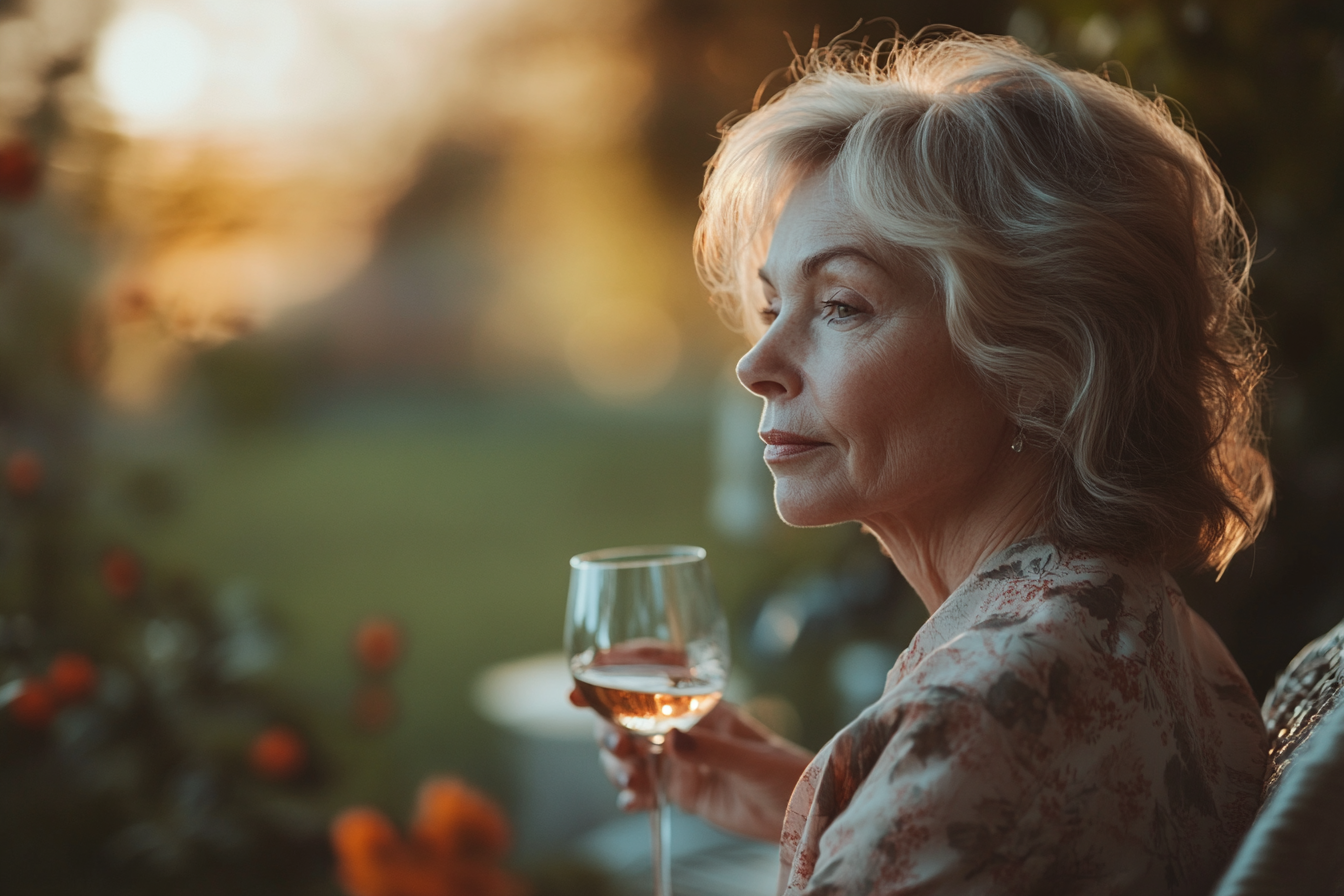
[(743, 784), (630, 775), (733, 752), (625, 762), (730, 719), (753, 758), (617, 740)]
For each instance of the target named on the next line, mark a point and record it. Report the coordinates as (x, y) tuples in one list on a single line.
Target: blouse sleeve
[(958, 784), (1086, 733)]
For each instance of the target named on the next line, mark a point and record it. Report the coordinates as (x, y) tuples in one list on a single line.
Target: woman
[(1000, 318)]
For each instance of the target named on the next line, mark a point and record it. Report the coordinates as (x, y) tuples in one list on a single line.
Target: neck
[(937, 548)]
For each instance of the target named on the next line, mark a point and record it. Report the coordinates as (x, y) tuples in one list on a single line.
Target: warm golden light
[(244, 70), (623, 352), (150, 64), (257, 145), (422, 12), (239, 157)]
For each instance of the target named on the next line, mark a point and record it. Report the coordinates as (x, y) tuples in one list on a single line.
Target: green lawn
[(455, 516)]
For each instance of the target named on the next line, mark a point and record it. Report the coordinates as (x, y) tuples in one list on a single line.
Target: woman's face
[(868, 413)]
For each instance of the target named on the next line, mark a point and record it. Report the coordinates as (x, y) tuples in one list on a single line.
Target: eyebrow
[(815, 262)]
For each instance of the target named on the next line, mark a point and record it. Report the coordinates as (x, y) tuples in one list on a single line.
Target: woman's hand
[(731, 770)]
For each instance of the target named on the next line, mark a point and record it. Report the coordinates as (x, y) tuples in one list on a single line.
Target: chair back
[(1296, 845)]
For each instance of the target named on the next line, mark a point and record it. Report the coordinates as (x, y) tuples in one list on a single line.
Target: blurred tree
[(140, 751)]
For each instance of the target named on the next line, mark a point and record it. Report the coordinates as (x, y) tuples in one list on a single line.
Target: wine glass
[(648, 648)]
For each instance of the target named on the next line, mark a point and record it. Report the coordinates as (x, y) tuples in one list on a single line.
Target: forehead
[(818, 224), (816, 216)]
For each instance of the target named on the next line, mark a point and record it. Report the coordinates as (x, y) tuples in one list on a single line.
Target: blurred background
[(330, 329)]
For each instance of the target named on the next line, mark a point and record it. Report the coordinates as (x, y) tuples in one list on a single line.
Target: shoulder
[(1062, 730), (1041, 585), (1043, 606), (1039, 581), (1059, 651)]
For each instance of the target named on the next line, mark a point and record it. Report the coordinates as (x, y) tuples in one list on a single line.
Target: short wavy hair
[(1093, 269)]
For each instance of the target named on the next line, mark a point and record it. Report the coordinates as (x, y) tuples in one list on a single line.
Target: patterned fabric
[(1063, 724), (1304, 693)]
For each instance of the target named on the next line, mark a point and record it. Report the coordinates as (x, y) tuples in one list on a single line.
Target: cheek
[(917, 421), (882, 402)]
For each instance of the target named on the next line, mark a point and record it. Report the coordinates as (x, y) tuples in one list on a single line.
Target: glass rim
[(638, 555)]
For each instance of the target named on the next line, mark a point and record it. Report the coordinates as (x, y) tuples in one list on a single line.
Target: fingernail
[(625, 799), (623, 779), (683, 742), (611, 740)]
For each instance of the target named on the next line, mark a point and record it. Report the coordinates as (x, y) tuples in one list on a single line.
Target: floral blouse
[(1063, 723)]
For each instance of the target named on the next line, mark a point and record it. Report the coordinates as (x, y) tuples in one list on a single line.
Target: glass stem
[(660, 819)]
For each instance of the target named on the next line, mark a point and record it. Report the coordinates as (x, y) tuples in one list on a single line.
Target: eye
[(837, 310), (768, 313)]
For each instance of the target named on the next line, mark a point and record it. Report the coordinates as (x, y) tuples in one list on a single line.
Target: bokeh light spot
[(150, 65)]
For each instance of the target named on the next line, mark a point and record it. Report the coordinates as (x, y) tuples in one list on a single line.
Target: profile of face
[(869, 413)]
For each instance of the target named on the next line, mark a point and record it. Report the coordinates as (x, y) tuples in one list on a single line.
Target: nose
[(766, 369)]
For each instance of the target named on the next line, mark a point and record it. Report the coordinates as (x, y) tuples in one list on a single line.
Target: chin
[(798, 508)]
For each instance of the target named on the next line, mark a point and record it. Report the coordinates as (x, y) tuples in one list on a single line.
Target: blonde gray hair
[(1093, 268)]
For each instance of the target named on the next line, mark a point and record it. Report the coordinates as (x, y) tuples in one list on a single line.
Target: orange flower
[(72, 677), (278, 753), (457, 839), (456, 820), (366, 844)]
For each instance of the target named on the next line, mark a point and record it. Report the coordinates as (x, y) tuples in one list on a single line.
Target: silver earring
[(1017, 442)]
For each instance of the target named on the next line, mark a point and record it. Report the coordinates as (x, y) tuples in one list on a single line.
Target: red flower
[(19, 171), (35, 705), (23, 472), (120, 573), (278, 753), (72, 677), (457, 839), (378, 644)]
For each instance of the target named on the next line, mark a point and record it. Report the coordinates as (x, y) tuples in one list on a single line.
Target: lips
[(781, 445)]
